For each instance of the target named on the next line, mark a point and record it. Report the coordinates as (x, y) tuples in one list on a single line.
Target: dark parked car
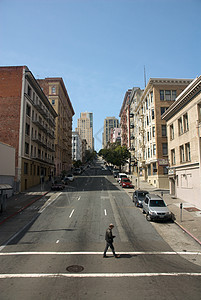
[(139, 196), (155, 208)]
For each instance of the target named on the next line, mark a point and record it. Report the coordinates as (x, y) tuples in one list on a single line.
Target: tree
[(115, 154)]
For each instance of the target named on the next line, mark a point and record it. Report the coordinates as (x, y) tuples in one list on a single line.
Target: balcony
[(40, 125), (41, 107)]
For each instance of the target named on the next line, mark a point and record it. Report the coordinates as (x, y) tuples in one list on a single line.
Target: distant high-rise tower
[(109, 123), (85, 128)]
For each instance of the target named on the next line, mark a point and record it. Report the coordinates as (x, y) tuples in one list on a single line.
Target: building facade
[(56, 92), (27, 124), (115, 135), (125, 119), (184, 144), (109, 123), (85, 129), (151, 133), (76, 146)]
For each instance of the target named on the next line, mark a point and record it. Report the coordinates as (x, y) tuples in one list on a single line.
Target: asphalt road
[(59, 254)]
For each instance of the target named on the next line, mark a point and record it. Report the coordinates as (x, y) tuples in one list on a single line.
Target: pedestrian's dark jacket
[(108, 236)]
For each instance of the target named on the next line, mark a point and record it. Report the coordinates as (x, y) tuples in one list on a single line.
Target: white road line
[(99, 253), (49, 202), (71, 213), (92, 275), (105, 211)]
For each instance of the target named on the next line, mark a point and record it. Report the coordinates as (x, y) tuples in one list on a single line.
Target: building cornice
[(190, 92)]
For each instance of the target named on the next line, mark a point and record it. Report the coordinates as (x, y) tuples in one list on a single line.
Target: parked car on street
[(57, 186), (121, 175), (138, 197), (155, 208), (126, 183), (77, 171), (68, 178), (115, 174)]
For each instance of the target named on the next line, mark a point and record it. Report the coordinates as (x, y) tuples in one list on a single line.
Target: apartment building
[(85, 129), (184, 144), (134, 133), (28, 124), (151, 132), (125, 119), (76, 146), (109, 123), (115, 135), (55, 90)]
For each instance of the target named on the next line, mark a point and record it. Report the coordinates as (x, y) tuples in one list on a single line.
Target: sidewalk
[(18, 202), (190, 219)]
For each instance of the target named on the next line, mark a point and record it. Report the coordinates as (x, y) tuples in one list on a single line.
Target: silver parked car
[(155, 208)]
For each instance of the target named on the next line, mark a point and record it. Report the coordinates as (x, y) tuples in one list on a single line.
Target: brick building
[(27, 123)]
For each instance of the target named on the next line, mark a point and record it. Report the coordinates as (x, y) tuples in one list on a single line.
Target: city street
[(59, 254)]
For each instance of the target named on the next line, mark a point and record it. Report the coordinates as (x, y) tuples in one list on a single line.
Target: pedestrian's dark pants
[(107, 246)]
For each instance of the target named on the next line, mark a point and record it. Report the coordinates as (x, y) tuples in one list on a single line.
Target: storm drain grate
[(191, 209), (75, 269)]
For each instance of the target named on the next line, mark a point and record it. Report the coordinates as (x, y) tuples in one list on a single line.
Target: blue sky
[(100, 47)]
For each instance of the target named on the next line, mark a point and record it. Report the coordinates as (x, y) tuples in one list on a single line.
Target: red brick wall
[(10, 102)]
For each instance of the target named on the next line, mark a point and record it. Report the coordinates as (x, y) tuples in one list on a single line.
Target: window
[(174, 95), (154, 149), (168, 95), (53, 90), (199, 112), (151, 96), (53, 102), (165, 171), (26, 168), (164, 130), (28, 110), (153, 131), (185, 118), (182, 156), (152, 114), (148, 136), (27, 129), (26, 148), (163, 109), (154, 169), (161, 95), (180, 126), (188, 152), (165, 148), (172, 132), (173, 157), (29, 91)]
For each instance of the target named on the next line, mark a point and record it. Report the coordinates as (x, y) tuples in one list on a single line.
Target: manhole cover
[(191, 209), (75, 269)]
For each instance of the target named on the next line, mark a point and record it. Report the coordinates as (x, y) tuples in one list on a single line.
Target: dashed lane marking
[(71, 213)]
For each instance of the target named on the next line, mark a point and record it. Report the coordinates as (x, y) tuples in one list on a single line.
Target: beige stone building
[(184, 144), (109, 123), (151, 148), (56, 92), (85, 129)]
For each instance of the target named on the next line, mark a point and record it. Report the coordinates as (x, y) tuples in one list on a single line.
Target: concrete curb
[(190, 234)]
